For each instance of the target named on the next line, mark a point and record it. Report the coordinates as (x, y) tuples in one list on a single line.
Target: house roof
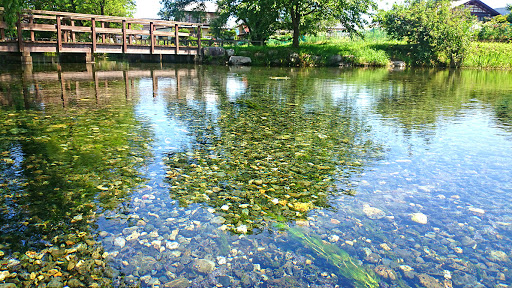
[(210, 7), (476, 3), (502, 11)]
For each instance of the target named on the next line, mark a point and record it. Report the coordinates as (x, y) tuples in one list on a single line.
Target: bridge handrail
[(105, 18), (63, 24)]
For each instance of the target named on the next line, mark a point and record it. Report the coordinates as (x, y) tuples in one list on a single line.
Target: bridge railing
[(62, 28)]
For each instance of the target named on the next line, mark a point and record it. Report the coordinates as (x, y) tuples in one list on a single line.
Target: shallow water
[(199, 176)]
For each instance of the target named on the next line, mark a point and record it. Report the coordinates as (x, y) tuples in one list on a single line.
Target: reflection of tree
[(60, 167), (268, 156), (418, 98)]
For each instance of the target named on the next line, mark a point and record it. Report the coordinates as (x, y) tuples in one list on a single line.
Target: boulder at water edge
[(239, 60)]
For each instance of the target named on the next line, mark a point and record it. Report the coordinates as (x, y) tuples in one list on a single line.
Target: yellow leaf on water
[(102, 188)]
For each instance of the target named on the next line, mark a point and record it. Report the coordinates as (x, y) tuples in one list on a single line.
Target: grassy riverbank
[(367, 53)]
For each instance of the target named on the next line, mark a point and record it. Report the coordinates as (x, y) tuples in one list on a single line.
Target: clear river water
[(208, 176)]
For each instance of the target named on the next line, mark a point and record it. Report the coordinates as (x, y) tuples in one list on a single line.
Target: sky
[(150, 8)]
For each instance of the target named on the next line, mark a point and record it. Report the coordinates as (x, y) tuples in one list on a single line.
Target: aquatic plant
[(336, 256)]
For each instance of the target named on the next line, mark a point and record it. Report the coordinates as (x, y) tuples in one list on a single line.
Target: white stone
[(334, 238), (156, 244), (3, 275), (477, 210), (221, 260), (372, 212), (134, 236), (120, 242), (419, 218), (172, 245), (241, 229)]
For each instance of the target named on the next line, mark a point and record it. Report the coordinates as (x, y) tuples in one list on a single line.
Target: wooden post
[(124, 37), (93, 35), (126, 84), (96, 85), (2, 31), (73, 36), (177, 38), (59, 35), (63, 95), (103, 34), (155, 83), (32, 36), (199, 34), (130, 36), (20, 34), (152, 37)]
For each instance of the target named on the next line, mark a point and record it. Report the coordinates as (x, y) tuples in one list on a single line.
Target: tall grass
[(374, 49), (489, 55)]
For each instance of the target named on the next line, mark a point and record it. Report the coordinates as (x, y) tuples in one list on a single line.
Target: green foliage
[(439, 35), (509, 16), (489, 55), (498, 29), (264, 17), (11, 10), (312, 16), (261, 17), (123, 8), (175, 10), (356, 53)]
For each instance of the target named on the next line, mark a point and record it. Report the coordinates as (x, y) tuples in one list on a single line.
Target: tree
[(509, 16), (175, 9), (303, 16), (123, 8), (439, 33), (11, 10), (261, 17)]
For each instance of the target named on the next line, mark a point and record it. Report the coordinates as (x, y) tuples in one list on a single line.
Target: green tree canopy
[(440, 34), (124, 8), (311, 16), (263, 17), (175, 9)]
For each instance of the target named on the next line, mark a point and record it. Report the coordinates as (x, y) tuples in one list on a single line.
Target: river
[(209, 176)]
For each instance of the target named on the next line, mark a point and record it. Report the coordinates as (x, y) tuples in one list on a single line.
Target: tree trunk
[(295, 23)]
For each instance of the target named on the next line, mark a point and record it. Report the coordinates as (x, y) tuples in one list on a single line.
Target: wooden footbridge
[(62, 32)]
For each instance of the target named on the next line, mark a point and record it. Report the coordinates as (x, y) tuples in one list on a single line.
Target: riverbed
[(207, 176)]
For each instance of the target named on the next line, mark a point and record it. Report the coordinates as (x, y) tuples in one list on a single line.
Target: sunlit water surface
[(191, 176)]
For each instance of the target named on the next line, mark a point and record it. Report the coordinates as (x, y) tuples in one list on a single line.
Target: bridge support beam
[(26, 59), (89, 58)]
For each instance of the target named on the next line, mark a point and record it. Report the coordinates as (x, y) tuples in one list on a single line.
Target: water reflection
[(212, 176)]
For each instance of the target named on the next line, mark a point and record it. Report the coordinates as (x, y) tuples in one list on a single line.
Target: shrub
[(497, 30), (439, 34)]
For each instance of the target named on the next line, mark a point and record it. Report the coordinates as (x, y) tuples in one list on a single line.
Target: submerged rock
[(120, 242), (419, 218), (429, 281), (372, 212), (385, 272), (203, 265), (495, 255), (178, 283)]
